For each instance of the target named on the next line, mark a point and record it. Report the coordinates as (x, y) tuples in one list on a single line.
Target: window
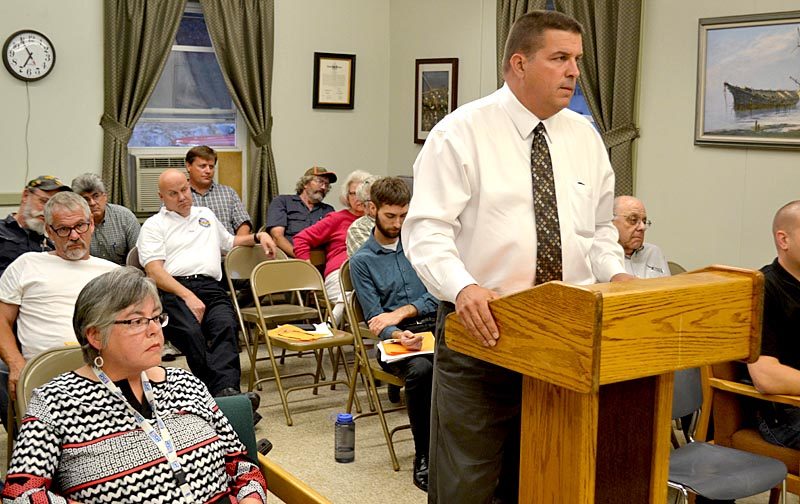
[(190, 104)]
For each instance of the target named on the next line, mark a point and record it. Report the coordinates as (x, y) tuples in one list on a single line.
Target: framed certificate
[(334, 80)]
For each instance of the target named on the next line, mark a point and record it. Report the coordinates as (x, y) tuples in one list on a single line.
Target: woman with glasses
[(122, 428)]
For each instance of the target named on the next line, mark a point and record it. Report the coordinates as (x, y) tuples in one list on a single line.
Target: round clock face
[(28, 55)]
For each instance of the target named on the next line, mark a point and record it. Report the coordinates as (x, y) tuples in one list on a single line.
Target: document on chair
[(292, 332), (392, 351)]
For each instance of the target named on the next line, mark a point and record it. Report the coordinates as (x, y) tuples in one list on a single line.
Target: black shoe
[(394, 393), (420, 475)]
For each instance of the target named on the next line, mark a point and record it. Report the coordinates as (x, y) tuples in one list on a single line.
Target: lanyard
[(162, 438)]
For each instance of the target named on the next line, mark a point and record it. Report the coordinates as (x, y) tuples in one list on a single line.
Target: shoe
[(394, 393), (420, 476), (168, 352)]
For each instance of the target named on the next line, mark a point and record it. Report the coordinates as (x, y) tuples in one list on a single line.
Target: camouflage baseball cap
[(321, 172), (47, 183)]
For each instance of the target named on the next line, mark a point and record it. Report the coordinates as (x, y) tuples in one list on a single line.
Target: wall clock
[(29, 55)]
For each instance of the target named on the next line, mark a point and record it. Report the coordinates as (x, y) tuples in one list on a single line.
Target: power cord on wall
[(27, 127)]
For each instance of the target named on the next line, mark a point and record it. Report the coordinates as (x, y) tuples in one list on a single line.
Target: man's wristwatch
[(255, 238)]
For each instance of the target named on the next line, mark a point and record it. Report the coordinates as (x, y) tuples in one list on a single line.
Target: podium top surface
[(581, 337)]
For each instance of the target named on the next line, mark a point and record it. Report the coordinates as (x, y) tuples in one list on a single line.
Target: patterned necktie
[(545, 208)]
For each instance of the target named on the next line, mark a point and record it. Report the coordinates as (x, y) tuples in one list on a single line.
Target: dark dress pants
[(475, 422), (417, 372), (210, 346)]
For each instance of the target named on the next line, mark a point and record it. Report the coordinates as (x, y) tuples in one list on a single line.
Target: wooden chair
[(239, 264), (734, 426), (300, 277), (368, 368)]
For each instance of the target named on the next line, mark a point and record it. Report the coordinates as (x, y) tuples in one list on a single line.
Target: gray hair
[(356, 177), (362, 193), (301, 183), (66, 200), (97, 307), (88, 183)]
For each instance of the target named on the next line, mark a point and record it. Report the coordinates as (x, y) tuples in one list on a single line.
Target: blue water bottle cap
[(344, 418)]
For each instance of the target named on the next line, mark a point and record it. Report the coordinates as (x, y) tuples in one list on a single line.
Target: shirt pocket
[(583, 208)]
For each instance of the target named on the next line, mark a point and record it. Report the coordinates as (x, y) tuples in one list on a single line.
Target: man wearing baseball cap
[(289, 214), (23, 231)]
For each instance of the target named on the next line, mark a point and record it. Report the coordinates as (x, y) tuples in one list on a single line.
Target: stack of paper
[(291, 332), (393, 351)]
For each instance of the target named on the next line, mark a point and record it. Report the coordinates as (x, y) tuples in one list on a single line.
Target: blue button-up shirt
[(288, 211), (385, 281)]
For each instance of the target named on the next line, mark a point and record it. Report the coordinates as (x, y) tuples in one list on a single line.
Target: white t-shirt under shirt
[(189, 245), (45, 287)]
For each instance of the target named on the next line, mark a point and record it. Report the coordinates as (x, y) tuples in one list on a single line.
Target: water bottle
[(345, 438)]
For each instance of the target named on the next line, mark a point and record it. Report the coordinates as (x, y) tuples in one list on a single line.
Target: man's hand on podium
[(472, 305)]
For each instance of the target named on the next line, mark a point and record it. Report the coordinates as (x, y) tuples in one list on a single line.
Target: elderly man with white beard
[(38, 290), (23, 231)]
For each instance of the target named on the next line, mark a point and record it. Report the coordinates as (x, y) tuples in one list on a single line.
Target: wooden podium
[(598, 364)]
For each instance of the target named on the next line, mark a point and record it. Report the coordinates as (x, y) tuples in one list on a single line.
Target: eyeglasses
[(322, 181), (139, 324), (634, 220), (65, 231)]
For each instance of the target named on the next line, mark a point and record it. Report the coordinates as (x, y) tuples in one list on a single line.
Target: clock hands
[(30, 57)]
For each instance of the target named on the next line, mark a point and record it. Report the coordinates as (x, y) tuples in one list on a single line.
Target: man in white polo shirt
[(180, 248), (38, 290)]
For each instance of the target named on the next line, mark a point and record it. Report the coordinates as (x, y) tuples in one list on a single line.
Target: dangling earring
[(98, 362)]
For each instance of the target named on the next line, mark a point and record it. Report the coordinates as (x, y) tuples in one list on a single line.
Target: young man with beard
[(396, 305), (38, 290), (23, 231), (288, 214)]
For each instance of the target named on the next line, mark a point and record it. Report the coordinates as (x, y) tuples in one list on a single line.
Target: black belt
[(192, 277)]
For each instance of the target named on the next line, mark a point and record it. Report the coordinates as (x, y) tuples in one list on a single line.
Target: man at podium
[(510, 191)]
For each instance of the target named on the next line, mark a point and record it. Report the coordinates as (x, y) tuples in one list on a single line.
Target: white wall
[(64, 136), (341, 140), (710, 204), (463, 29)]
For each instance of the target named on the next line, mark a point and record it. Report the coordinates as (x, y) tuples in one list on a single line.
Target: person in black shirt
[(23, 231), (777, 370)]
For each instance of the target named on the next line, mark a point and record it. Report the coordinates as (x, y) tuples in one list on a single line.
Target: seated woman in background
[(122, 428), (330, 233)]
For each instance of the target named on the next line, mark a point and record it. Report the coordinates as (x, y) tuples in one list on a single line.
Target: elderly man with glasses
[(115, 227), (38, 290), (642, 260), (288, 214)]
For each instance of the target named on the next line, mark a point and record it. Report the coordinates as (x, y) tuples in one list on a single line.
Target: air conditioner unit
[(147, 169)]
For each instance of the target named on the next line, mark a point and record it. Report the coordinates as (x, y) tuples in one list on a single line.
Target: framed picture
[(436, 94), (334, 80), (748, 81)]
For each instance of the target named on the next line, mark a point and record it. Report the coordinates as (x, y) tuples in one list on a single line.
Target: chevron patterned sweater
[(79, 442)]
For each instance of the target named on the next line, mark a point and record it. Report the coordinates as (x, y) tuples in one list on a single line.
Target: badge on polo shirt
[(203, 222)]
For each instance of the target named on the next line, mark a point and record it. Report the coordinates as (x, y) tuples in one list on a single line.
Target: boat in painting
[(747, 98)]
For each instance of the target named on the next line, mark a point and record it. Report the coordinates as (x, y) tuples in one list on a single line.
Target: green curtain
[(608, 74), (509, 11), (242, 32), (137, 37)]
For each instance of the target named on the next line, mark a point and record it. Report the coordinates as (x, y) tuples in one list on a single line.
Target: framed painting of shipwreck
[(748, 81)]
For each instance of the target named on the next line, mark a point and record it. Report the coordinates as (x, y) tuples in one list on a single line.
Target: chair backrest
[(675, 268), (133, 258), (240, 262), (239, 412), (289, 275), (352, 308), (687, 394), (42, 368)]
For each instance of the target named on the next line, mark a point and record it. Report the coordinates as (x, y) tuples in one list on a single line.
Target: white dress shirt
[(647, 262), (189, 245), (471, 218)]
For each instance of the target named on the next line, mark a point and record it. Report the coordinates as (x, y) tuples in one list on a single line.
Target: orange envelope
[(392, 348), (290, 332)]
